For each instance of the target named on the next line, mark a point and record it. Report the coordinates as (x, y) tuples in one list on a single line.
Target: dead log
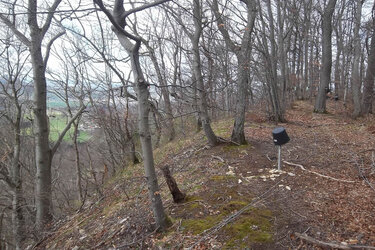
[(178, 196), (334, 245)]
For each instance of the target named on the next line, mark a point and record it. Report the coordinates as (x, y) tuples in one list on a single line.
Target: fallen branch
[(361, 173), (218, 158), (330, 244), (316, 173), (225, 140)]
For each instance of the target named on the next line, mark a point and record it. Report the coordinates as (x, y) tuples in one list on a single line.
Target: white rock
[(230, 172), (239, 181), (288, 188), (291, 174)]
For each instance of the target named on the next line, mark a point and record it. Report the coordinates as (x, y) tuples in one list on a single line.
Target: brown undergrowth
[(222, 181)]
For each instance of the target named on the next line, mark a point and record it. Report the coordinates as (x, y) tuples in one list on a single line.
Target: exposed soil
[(333, 200)]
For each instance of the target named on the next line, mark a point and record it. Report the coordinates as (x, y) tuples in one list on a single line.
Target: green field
[(58, 123)]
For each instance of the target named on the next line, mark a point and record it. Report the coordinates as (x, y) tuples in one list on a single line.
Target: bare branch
[(61, 137), (19, 34), (49, 45), (145, 6), (51, 12)]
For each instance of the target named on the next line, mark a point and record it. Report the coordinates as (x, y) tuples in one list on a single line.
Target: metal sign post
[(280, 137), (279, 158)]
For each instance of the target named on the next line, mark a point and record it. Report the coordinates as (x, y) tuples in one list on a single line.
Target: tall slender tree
[(326, 65), (243, 55), (356, 74), (43, 152), (368, 88), (131, 43)]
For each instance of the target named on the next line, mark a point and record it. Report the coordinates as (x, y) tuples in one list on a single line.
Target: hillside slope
[(236, 199)]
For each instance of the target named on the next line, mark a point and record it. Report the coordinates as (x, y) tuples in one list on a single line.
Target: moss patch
[(231, 147), (197, 226), (222, 178), (253, 227)]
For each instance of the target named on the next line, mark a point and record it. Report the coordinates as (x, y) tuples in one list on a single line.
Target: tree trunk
[(368, 91), (238, 133), (326, 67), (43, 198), (356, 79), (141, 88), (203, 107), (177, 195), (243, 55), (145, 137), (17, 211), (78, 163)]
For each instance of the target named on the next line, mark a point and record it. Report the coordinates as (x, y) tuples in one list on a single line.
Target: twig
[(123, 246), (330, 244), (218, 158), (316, 173), (225, 140), (362, 175)]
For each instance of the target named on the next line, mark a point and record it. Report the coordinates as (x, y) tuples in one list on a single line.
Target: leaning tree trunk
[(356, 79), (368, 91), (325, 71), (145, 137)]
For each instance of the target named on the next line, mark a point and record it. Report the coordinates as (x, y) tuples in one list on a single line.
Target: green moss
[(169, 221), (222, 177), (190, 198), (254, 227), (194, 205), (197, 226), (232, 206), (236, 148)]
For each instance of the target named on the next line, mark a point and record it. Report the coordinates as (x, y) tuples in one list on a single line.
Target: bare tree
[(131, 44), (243, 55), (43, 152), (368, 90), (355, 77), (326, 66), (13, 89)]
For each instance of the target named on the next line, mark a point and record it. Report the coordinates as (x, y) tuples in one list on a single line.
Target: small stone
[(239, 181), (230, 172), (288, 188), (291, 174)]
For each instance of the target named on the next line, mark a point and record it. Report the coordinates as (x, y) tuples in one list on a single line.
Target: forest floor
[(235, 196)]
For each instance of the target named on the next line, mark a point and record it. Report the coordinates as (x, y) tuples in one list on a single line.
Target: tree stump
[(178, 196)]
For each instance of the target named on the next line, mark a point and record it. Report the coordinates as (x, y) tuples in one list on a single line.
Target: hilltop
[(235, 196)]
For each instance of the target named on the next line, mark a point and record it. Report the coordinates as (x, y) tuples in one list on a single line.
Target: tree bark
[(197, 71), (177, 195), (368, 91), (243, 55), (356, 79), (326, 66)]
